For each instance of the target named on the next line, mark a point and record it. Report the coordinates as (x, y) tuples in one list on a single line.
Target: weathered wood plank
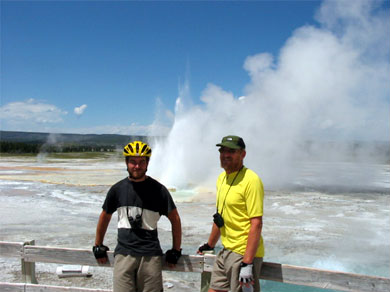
[(46, 254), (323, 279), (11, 287), (49, 288), (22, 287), (187, 263), (11, 249)]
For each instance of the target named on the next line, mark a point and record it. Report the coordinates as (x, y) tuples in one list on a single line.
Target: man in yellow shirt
[(238, 222)]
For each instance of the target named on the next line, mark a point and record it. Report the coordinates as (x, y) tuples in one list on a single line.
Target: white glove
[(246, 275)]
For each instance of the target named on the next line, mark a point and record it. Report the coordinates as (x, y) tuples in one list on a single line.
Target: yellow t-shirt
[(240, 197)]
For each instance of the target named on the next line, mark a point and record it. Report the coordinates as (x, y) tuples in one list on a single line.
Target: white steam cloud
[(329, 83), (80, 110)]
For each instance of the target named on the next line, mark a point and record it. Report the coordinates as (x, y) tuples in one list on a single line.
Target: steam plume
[(329, 83)]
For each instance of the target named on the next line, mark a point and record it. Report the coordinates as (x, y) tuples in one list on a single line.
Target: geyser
[(329, 85)]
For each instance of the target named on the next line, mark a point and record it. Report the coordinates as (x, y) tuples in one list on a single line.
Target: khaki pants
[(138, 274), (226, 271)]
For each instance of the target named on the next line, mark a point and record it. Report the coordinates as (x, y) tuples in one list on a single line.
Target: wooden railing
[(30, 254)]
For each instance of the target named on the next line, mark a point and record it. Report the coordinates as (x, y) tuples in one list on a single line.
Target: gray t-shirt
[(149, 199)]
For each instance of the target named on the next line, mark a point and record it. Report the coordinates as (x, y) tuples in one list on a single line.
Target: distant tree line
[(18, 147), (21, 147)]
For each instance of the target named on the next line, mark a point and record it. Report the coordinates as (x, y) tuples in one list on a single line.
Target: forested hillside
[(30, 142)]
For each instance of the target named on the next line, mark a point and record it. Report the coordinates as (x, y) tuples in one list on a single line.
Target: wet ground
[(345, 231)]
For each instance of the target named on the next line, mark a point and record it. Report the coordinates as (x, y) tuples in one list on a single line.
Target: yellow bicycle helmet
[(137, 148)]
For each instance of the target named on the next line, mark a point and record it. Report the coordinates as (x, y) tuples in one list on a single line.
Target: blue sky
[(112, 66), (118, 57)]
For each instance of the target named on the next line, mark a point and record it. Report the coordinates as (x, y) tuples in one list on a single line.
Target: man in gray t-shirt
[(139, 201)]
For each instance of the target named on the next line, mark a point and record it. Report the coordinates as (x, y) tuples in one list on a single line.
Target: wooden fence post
[(208, 262), (205, 278), (28, 268)]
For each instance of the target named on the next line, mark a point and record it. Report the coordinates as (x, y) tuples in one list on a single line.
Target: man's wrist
[(210, 245), (100, 251)]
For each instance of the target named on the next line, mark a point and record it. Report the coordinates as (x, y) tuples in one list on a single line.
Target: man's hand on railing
[(100, 252), (172, 256), (205, 248)]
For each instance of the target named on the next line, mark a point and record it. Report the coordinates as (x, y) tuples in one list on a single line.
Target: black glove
[(172, 256), (100, 251), (205, 247)]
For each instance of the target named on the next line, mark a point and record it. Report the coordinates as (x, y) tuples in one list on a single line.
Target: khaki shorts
[(226, 271), (136, 274)]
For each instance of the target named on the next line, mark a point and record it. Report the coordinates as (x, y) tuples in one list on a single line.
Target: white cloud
[(80, 110), (329, 82), (30, 113)]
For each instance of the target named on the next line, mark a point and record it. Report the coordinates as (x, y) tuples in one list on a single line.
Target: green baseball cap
[(233, 142)]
